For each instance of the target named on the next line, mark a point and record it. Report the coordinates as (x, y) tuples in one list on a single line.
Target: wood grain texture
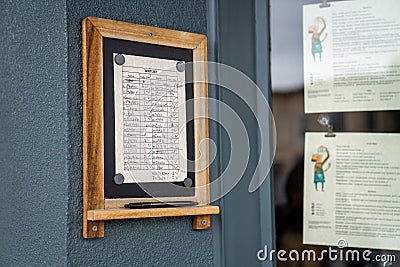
[(118, 214), (201, 131), (93, 127), (96, 209), (201, 122), (141, 33)]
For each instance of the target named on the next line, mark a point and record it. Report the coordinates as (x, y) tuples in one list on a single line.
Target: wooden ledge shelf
[(118, 214), (96, 218)]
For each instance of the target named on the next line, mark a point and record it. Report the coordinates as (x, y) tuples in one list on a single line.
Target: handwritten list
[(150, 142)]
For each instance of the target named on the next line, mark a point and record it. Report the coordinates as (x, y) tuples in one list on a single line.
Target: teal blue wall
[(247, 223), (41, 141), (152, 242), (33, 133)]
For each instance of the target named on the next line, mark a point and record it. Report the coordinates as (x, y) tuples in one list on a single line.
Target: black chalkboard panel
[(154, 189)]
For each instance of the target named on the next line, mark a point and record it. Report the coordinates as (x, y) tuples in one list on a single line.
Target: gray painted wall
[(41, 141), (33, 139), (151, 242), (247, 218)]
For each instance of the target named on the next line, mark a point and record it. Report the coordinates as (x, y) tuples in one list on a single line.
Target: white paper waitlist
[(150, 119)]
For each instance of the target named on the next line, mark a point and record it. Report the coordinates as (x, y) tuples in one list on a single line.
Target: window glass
[(292, 123)]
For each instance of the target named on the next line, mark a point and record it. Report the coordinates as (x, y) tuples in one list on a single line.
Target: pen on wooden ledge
[(147, 205)]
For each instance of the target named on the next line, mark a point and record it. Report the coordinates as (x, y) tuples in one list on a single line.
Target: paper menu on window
[(150, 119), (352, 56), (351, 190)]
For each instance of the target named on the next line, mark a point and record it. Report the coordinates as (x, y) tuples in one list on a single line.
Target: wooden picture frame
[(96, 208)]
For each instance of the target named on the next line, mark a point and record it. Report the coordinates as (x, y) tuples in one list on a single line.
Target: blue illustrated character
[(316, 42), (319, 172)]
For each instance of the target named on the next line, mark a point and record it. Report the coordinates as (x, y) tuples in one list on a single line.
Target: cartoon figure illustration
[(316, 42), (319, 172)]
